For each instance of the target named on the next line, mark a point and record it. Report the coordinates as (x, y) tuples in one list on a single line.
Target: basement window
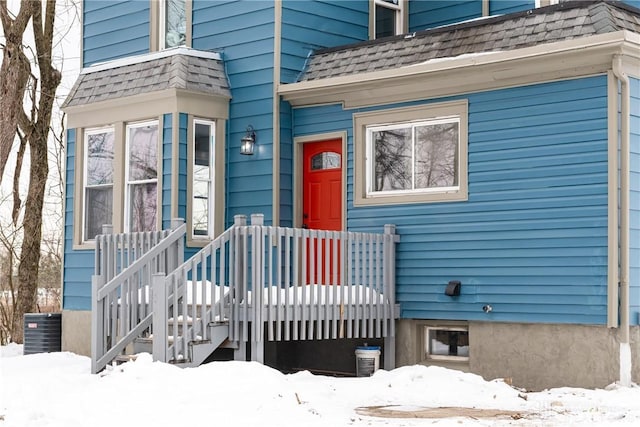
[(450, 343)]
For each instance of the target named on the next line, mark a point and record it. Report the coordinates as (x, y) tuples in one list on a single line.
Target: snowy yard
[(57, 390)]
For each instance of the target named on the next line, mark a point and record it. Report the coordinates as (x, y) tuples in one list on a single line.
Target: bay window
[(202, 196), (141, 199), (98, 180)]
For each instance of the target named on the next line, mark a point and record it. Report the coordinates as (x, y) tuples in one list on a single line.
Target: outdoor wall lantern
[(248, 141)]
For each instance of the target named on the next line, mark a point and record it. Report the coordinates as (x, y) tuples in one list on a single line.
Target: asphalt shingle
[(565, 21), (180, 71)]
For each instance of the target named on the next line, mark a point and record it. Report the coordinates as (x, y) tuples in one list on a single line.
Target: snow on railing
[(124, 265)]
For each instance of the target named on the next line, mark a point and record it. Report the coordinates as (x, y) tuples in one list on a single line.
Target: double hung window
[(141, 201), (98, 180), (388, 15)]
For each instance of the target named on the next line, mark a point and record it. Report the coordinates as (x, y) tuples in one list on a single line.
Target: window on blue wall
[(202, 194), (141, 194), (388, 15), (411, 154), (173, 23), (98, 181), (413, 157)]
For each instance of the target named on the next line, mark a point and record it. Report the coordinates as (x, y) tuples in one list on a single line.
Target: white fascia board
[(503, 65), (131, 60)]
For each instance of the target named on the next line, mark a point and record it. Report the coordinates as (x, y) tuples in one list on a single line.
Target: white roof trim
[(137, 59), (303, 93)]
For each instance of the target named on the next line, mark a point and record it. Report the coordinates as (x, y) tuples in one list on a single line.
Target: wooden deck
[(212, 298)]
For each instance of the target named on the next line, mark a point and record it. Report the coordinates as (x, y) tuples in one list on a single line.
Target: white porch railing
[(278, 283), (251, 284), (124, 264)]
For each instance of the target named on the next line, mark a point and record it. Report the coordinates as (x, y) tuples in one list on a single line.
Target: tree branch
[(17, 203)]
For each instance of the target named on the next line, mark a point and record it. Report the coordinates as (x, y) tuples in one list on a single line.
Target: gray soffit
[(565, 21), (203, 75)]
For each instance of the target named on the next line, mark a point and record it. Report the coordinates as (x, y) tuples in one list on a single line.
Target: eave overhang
[(471, 73), (138, 107)]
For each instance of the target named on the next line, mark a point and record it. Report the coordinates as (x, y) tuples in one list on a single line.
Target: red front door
[(322, 205)]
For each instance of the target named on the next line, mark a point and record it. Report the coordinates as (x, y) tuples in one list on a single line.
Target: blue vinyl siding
[(167, 155), (309, 25), (634, 3), (114, 29), (502, 7), (243, 32), (183, 179), (286, 165), (634, 220), (430, 14), (532, 238), (78, 265)]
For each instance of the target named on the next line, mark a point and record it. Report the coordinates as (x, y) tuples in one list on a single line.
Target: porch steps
[(199, 349)]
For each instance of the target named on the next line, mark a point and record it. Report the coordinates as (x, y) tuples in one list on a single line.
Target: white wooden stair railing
[(121, 302), (255, 283)]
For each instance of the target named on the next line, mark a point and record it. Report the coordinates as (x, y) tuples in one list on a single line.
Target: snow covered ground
[(57, 390)]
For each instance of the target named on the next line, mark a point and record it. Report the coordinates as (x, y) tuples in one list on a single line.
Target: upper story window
[(388, 16), (411, 155), (173, 23), (141, 199), (98, 180)]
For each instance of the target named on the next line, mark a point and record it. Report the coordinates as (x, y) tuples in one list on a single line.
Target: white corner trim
[(137, 59)]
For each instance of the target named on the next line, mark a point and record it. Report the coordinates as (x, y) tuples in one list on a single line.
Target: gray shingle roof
[(565, 21), (180, 71)]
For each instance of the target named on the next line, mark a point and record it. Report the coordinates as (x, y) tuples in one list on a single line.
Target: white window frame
[(364, 123), (399, 10), (127, 183), (160, 25), (427, 345), (85, 161), (211, 181), (543, 3), (413, 125)]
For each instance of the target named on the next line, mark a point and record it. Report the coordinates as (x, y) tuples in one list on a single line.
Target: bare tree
[(38, 85), (14, 75)]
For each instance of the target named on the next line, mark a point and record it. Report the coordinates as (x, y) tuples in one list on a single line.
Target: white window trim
[(157, 38), (402, 116), (427, 346), (413, 125), (212, 178), (543, 3), (401, 16), (85, 154), (127, 183)]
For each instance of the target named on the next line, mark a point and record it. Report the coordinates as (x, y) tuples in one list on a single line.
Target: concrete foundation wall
[(535, 356), (76, 332)]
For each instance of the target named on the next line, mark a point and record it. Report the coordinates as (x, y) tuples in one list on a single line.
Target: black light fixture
[(248, 141)]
